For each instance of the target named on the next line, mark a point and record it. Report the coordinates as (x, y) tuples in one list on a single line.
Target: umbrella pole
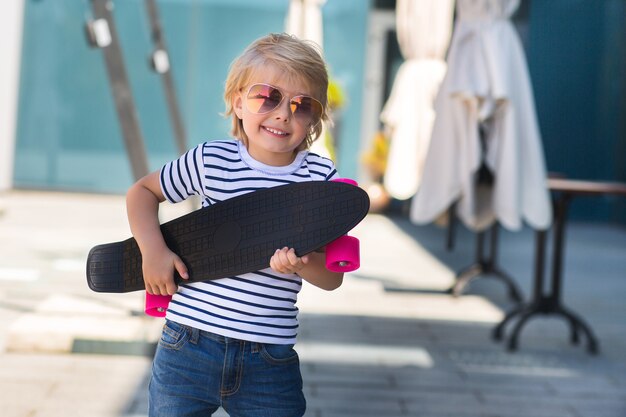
[(485, 266), (451, 227)]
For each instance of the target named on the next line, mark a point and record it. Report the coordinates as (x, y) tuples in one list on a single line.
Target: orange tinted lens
[(306, 109), (263, 98)]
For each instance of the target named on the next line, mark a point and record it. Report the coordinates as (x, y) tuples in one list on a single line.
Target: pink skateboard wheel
[(156, 305), (346, 180), (342, 254)]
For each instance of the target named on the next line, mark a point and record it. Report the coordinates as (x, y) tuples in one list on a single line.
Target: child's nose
[(284, 110)]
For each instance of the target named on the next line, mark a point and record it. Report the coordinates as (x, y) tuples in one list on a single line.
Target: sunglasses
[(265, 98)]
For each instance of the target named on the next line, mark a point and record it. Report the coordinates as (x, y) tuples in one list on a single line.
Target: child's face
[(275, 134)]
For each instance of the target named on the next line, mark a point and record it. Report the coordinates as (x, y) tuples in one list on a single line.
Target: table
[(563, 191)]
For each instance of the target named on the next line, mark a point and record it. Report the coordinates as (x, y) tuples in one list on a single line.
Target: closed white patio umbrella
[(423, 28), (486, 87)]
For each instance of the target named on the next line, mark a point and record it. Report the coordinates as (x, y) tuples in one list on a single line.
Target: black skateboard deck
[(238, 235)]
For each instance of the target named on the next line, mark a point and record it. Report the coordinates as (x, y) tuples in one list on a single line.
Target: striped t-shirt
[(258, 306)]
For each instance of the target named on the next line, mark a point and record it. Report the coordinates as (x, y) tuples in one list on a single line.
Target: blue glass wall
[(577, 60), (68, 133)]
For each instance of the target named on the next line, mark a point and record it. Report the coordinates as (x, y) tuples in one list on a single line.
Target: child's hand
[(158, 272), (286, 261)]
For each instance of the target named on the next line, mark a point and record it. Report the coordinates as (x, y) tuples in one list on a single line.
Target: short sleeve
[(321, 168), (182, 177)]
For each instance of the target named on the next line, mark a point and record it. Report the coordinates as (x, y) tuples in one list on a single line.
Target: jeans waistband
[(225, 340)]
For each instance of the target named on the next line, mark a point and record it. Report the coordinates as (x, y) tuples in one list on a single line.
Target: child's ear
[(238, 105)]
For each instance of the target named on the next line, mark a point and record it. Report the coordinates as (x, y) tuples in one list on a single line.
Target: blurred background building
[(59, 128)]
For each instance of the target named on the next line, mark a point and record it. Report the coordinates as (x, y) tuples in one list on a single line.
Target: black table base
[(563, 190), (544, 305), (485, 267)]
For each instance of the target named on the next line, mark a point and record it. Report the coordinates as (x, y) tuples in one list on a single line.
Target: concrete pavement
[(389, 342)]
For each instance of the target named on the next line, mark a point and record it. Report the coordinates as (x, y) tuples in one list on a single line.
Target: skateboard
[(241, 234)]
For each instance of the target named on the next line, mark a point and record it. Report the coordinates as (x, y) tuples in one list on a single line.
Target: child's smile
[(278, 132)]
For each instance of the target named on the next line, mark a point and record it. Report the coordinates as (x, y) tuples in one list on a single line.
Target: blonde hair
[(295, 58)]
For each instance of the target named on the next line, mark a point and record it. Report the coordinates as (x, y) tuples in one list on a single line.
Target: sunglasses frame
[(283, 96)]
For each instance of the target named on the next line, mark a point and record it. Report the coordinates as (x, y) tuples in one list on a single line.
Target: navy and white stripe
[(258, 306)]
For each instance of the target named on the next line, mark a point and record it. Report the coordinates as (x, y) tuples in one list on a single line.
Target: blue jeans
[(195, 372)]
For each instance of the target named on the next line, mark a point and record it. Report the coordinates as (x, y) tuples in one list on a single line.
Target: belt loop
[(255, 347), (195, 335)]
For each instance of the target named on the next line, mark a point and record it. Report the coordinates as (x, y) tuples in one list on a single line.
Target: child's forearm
[(316, 273), (142, 208), (158, 261)]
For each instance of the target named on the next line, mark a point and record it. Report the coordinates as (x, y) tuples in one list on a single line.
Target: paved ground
[(389, 342)]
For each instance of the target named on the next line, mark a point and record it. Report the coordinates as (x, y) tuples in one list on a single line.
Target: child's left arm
[(311, 267)]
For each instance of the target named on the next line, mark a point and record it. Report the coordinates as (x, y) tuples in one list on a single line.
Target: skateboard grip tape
[(156, 305)]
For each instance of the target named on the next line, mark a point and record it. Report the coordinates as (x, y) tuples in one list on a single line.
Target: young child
[(229, 342)]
